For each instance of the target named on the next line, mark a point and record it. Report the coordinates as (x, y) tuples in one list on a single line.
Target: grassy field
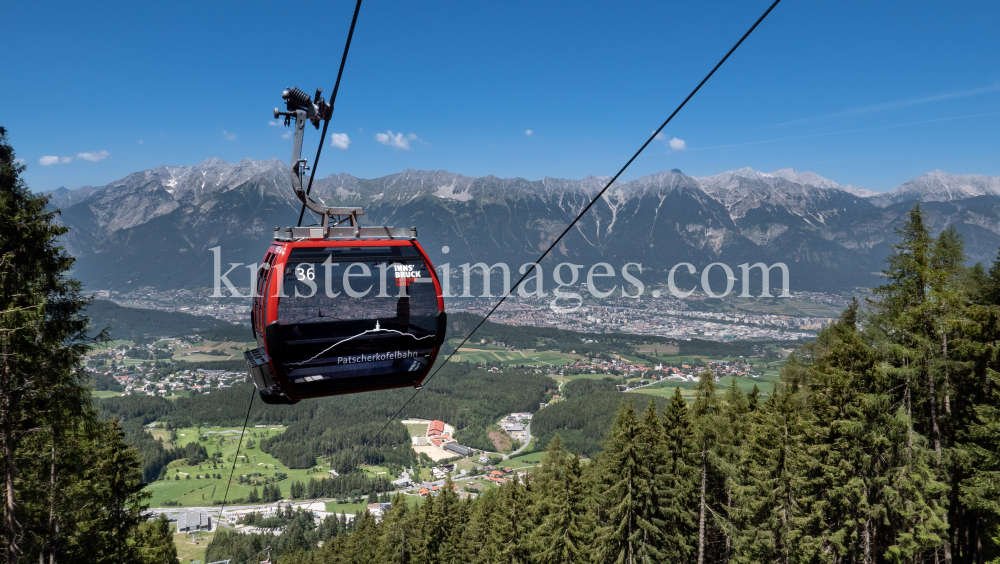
[(677, 359), (190, 490), (374, 470), (420, 474), (197, 352), (632, 359), (530, 459), (105, 394), (482, 353), (417, 430), (658, 349), (355, 508), (666, 389), (192, 549), (348, 508), (592, 377)]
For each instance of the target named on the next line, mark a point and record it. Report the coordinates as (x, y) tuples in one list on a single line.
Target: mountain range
[(156, 227)]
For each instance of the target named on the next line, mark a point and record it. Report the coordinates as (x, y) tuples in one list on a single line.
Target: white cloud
[(340, 140), (397, 140), (229, 136), (675, 143), (286, 135), (140, 141), (528, 132), (19, 161), (94, 157), (274, 123), (51, 160)]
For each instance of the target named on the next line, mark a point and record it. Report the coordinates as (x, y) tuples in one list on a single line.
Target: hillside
[(137, 324)]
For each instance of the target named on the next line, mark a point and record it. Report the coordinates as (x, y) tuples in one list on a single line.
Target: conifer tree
[(547, 477), (753, 398), (681, 501), (563, 534), (363, 543), (882, 502), (398, 535), (508, 534), (477, 532), (429, 525), (113, 502), (707, 416), (51, 441), (769, 493), (728, 453), (451, 517), (156, 541), (631, 528), (912, 317), (980, 486)]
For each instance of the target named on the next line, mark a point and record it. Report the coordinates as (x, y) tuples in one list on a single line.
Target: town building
[(458, 449), (197, 520), (435, 429)]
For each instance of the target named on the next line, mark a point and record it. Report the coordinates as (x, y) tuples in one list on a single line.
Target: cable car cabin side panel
[(342, 317)]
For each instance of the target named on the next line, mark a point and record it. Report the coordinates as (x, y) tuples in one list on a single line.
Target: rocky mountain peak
[(940, 186)]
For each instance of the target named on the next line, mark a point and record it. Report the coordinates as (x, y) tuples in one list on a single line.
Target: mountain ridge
[(155, 227)]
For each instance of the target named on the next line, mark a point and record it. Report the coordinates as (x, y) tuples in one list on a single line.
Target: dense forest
[(582, 418), (880, 444), (72, 485), (336, 428), (105, 382), (145, 325), (720, 349)]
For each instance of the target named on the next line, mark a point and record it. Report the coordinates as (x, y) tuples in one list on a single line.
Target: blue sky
[(863, 93)]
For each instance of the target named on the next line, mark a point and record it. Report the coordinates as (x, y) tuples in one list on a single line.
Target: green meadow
[(483, 353), (592, 377), (666, 389), (192, 485)]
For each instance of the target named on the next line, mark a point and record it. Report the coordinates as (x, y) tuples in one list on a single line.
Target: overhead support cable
[(333, 100), (563, 234)]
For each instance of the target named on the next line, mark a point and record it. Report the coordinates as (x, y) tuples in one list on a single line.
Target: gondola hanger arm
[(302, 109)]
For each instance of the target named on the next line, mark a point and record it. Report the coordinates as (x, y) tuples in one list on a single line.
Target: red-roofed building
[(435, 429)]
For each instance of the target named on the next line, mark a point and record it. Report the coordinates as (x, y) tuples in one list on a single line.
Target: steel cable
[(563, 234), (237, 456)]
